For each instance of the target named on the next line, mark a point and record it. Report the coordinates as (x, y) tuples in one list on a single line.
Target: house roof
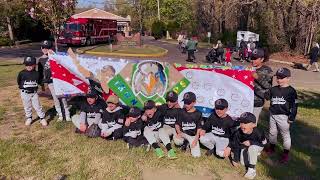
[(99, 14)]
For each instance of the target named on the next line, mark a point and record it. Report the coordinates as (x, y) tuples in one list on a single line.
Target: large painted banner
[(138, 81)]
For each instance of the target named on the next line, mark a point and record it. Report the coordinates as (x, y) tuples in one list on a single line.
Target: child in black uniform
[(188, 125), (132, 130), (112, 119), (28, 80), (283, 111), (90, 112), (246, 144)]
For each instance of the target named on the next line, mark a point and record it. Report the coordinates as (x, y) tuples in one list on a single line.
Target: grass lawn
[(45, 153), (145, 49)]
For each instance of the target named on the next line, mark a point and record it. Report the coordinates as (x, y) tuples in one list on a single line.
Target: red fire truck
[(87, 31)]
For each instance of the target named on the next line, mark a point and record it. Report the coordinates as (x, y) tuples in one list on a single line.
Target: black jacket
[(262, 84)]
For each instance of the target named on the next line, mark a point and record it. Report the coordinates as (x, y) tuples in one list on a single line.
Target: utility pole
[(158, 10)]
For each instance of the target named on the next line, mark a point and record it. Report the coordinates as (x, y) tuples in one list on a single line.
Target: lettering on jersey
[(30, 84), (188, 126), (170, 121), (218, 131), (111, 123), (155, 126), (91, 115), (277, 100)]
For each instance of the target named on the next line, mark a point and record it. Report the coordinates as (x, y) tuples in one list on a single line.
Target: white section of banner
[(210, 86), (62, 88)]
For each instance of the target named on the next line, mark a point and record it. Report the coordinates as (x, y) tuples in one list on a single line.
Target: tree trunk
[(10, 29)]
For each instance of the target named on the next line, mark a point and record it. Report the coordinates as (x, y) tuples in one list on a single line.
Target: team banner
[(135, 82)]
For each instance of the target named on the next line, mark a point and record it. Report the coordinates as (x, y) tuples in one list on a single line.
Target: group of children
[(236, 138)]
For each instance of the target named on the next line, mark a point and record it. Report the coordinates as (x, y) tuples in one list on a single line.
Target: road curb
[(285, 62), (80, 51)]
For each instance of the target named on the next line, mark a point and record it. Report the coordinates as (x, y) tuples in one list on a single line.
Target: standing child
[(90, 113), (283, 111), (112, 120), (228, 57), (46, 78), (132, 131), (171, 110), (246, 144), (219, 126), (28, 80), (188, 125)]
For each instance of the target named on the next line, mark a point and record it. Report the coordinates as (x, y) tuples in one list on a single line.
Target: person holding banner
[(112, 120), (46, 77), (188, 125), (262, 80)]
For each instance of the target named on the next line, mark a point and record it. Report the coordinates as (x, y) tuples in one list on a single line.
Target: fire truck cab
[(87, 31)]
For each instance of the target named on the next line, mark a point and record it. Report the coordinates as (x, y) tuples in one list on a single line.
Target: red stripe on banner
[(244, 76), (61, 73)]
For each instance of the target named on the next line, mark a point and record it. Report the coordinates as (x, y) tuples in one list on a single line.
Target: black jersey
[(92, 110), (156, 122), (170, 115), (255, 138), (45, 69), (135, 127), (283, 100), (189, 122), (112, 118), (221, 127), (28, 80)]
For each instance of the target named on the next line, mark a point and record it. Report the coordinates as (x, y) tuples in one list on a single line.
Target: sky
[(94, 3)]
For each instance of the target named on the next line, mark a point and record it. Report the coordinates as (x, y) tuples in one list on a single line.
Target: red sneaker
[(284, 158)]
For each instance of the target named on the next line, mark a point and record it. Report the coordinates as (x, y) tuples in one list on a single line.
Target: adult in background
[(220, 51), (191, 48), (313, 55), (262, 80)]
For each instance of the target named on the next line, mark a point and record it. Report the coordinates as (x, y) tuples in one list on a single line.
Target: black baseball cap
[(149, 105), (283, 73), (247, 117), (172, 96), (257, 53), (92, 94), (221, 104), (134, 112), (46, 44), (29, 61), (189, 98)]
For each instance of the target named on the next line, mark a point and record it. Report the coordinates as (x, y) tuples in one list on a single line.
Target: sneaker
[(284, 158), (172, 154), (28, 122), (159, 153), (251, 173), (43, 122), (129, 146), (68, 119), (60, 119), (148, 147)]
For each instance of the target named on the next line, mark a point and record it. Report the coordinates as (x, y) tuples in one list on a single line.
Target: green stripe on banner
[(124, 92), (180, 86)]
